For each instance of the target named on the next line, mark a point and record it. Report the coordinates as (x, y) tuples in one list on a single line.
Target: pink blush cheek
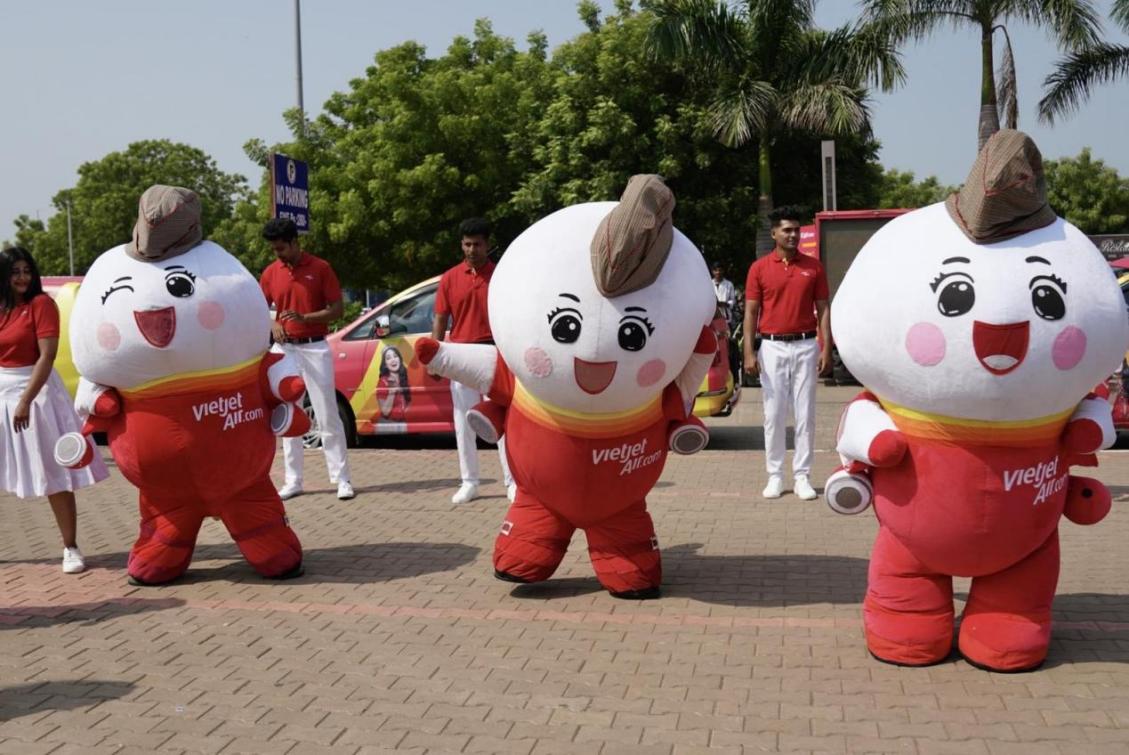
[(926, 344), (211, 314), (651, 373), (538, 363), (1069, 348), (109, 337)]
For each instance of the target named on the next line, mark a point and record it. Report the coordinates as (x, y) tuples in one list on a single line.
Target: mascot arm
[(280, 376), (472, 364), (868, 435), (97, 406), (689, 380), (1090, 428), (1087, 500)]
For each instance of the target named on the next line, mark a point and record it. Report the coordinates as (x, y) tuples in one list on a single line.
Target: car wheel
[(312, 438)]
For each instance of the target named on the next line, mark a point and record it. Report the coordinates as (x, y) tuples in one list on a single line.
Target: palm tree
[(770, 69), (1075, 75), (1074, 25)]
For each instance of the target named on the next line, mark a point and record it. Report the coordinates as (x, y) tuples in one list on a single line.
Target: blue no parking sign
[(290, 190)]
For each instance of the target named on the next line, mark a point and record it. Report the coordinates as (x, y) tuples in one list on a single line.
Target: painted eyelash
[(112, 289), (941, 276), (646, 323), (558, 310), (191, 276), (1056, 280)]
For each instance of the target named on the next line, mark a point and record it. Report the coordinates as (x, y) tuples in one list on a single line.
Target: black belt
[(788, 336), (307, 339)]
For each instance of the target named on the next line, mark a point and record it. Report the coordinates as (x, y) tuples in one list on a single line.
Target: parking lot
[(399, 638)]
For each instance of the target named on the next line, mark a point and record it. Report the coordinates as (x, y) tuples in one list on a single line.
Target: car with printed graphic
[(63, 289), (383, 389)]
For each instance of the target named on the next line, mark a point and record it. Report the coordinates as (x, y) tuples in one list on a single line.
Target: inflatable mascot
[(978, 327), (600, 313), (170, 335)]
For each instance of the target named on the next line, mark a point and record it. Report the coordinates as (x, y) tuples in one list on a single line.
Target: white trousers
[(464, 398), (315, 363), (789, 371)]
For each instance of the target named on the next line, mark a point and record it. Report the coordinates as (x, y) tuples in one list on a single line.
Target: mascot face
[(578, 350), (135, 321), (1013, 330)]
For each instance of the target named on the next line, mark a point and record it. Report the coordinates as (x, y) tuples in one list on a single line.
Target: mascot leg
[(165, 543), (256, 521), (625, 553), (908, 611), (1007, 622), (531, 542)]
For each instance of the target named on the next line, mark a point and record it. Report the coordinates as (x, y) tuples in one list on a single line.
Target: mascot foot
[(647, 593), (138, 582), (1004, 642), (848, 493), (689, 437), (507, 577), (293, 573)]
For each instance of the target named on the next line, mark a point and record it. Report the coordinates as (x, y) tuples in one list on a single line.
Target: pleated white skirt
[(27, 458)]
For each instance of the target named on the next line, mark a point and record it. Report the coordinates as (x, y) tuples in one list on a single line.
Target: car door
[(428, 409)]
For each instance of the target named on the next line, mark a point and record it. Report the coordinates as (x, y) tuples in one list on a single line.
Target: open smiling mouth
[(1000, 348), (593, 377), (158, 326)]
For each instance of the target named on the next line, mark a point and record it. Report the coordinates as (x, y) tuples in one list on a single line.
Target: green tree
[(770, 70), (900, 189), (1077, 74), (103, 203), (1074, 25), (1088, 193)]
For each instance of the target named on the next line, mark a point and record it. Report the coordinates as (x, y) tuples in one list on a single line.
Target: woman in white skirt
[(35, 409)]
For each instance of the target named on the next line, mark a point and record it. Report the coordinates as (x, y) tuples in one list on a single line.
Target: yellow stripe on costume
[(984, 432), (219, 379), (585, 425)]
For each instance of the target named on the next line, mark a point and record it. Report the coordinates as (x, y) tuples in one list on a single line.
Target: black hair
[(475, 227), (716, 265), (280, 229), (787, 212), (402, 372), (8, 259)]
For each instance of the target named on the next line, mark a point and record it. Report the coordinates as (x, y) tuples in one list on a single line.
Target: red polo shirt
[(787, 292), (309, 286), (462, 294), (23, 326)]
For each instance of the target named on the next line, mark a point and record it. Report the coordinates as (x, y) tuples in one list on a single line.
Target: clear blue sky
[(82, 79)]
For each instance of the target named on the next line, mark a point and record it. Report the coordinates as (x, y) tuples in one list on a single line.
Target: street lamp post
[(298, 56)]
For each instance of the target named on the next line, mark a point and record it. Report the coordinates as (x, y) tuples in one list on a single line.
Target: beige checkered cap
[(1005, 194), (633, 241), (168, 223)]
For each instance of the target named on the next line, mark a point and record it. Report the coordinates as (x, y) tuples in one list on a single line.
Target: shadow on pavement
[(357, 564), (741, 438), (1104, 636), (84, 614), (38, 697), (553, 588), (762, 580)]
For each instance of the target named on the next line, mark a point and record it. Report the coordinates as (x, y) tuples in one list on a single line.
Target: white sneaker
[(73, 562), (803, 489), (465, 494), (345, 490), (511, 491), (289, 490), (774, 488)]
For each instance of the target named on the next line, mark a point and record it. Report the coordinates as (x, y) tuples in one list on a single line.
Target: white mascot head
[(166, 304), (986, 307), (596, 308)]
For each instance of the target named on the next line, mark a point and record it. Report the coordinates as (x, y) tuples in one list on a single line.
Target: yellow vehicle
[(64, 289)]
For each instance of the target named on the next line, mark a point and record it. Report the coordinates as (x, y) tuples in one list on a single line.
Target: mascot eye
[(632, 335), (1048, 302), (956, 298), (564, 324), (180, 285)]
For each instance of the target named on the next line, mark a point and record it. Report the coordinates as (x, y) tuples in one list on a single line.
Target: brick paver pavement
[(398, 637)]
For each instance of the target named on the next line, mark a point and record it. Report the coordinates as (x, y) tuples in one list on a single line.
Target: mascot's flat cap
[(633, 241), (1005, 194), (168, 223)]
